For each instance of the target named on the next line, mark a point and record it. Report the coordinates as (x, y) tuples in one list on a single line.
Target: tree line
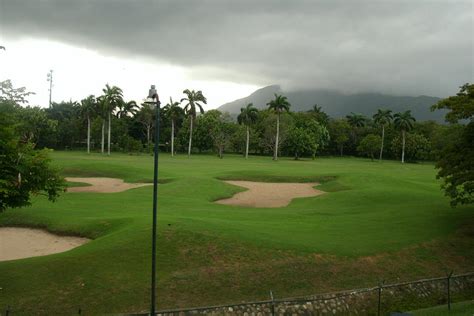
[(108, 123)]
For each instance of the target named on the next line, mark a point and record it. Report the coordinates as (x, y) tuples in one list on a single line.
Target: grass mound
[(457, 309)]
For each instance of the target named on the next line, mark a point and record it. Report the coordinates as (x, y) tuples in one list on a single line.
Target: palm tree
[(278, 105), (174, 112), (319, 114), (248, 115), (356, 121), (146, 116), (101, 110), (113, 97), (383, 118), (126, 108), (316, 109), (404, 122), (193, 101), (88, 110)]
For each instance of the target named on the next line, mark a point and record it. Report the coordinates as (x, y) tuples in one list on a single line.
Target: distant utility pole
[(50, 79)]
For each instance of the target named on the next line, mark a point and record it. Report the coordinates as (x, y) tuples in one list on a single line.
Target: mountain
[(259, 98), (338, 104)]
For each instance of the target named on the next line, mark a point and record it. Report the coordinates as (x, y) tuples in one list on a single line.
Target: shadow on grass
[(71, 184), (242, 176), (88, 173), (327, 183)]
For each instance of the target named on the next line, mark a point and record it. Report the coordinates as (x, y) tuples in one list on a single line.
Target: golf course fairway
[(375, 220)]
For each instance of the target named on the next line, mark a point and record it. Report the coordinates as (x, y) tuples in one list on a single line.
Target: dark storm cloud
[(413, 47)]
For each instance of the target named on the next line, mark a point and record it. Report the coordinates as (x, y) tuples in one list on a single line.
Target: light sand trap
[(264, 194), (18, 243), (104, 185)]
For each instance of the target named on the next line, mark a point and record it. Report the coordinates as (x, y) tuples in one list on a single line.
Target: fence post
[(273, 303), (7, 311), (380, 298), (448, 278)]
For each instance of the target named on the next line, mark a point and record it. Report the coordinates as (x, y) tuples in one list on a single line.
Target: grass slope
[(457, 309), (379, 221)]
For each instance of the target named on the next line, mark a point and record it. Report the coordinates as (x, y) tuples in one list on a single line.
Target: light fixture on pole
[(50, 80), (154, 99)]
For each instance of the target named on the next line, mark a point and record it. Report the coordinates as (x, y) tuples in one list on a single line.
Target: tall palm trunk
[(190, 136), (172, 138), (381, 147), (247, 143), (403, 146), (103, 135), (108, 137), (88, 134), (275, 154)]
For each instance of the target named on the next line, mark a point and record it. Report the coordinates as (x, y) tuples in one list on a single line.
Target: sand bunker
[(263, 194), (104, 185), (18, 243)]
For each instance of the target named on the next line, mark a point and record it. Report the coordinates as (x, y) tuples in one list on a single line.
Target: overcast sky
[(230, 48)]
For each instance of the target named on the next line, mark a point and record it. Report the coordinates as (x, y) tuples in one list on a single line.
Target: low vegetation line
[(278, 179)]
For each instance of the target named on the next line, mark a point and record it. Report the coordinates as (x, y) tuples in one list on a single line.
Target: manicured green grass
[(457, 309), (378, 221)]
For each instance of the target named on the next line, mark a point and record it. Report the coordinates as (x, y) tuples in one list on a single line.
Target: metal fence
[(381, 299)]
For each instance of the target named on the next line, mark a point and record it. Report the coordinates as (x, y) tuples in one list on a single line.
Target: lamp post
[(154, 99), (50, 80)]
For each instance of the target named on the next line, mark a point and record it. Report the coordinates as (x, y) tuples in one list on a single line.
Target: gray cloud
[(398, 47)]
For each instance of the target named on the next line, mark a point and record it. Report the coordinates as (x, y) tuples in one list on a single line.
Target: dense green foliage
[(186, 127), (369, 145), (24, 170), (416, 146), (378, 221), (460, 106), (300, 142), (306, 136), (456, 157)]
